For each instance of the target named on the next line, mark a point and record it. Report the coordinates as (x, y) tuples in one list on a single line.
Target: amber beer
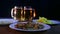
[(22, 14), (28, 14)]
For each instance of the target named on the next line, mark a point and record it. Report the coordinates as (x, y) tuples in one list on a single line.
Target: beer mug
[(22, 14)]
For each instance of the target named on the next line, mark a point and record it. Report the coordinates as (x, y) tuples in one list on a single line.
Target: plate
[(46, 27), (53, 21), (7, 21)]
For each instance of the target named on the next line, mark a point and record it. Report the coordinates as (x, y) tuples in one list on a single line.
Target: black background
[(44, 8)]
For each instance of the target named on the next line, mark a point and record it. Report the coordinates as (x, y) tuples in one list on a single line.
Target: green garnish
[(44, 20)]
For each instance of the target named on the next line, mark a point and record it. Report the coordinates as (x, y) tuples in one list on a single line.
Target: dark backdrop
[(44, 8)]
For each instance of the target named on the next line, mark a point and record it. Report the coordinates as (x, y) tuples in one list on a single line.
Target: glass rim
[(24, 8), (18, 7)]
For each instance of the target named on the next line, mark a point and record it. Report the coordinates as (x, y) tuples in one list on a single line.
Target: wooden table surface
[(4, 29)]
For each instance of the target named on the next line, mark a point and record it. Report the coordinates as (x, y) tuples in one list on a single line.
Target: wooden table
[(4, 29)]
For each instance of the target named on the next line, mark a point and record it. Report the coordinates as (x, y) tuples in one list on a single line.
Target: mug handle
[(12, 12)]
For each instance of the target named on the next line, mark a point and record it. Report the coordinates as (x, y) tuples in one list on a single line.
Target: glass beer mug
[(22, 14)]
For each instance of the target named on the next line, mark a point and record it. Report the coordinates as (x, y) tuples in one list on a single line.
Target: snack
[(29, 26)]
